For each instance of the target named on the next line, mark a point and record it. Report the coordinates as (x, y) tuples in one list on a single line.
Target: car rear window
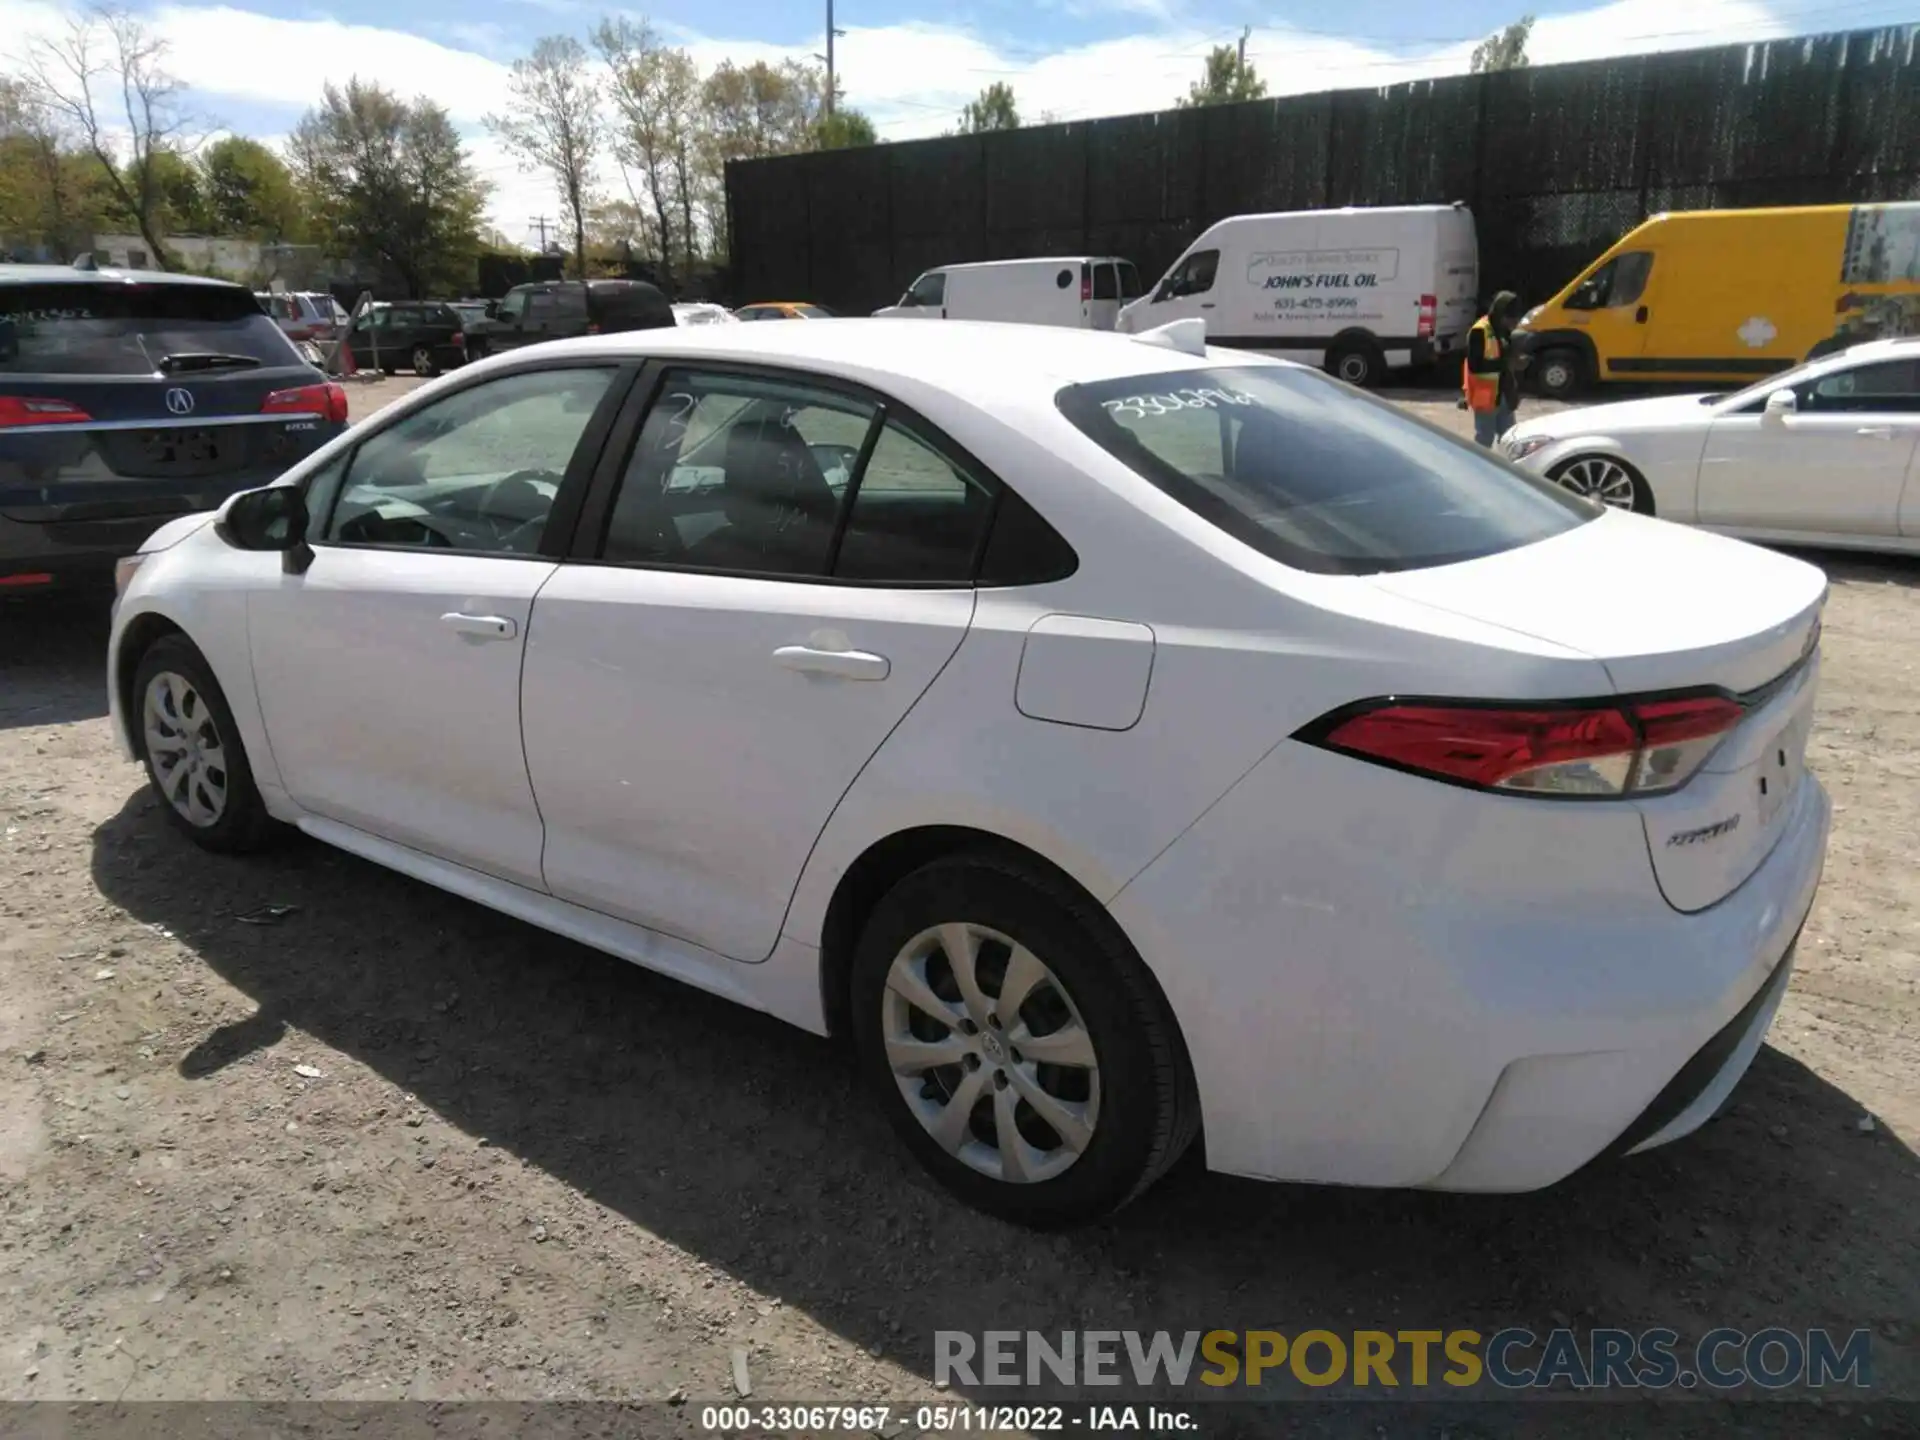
[(104, 328), (1315, 474)]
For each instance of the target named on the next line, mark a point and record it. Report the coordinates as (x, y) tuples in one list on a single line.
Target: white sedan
[(1822, 455), (1118, 740)]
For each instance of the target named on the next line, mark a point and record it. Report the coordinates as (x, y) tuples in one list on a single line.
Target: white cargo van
[(1359, 291), (1083, 292)]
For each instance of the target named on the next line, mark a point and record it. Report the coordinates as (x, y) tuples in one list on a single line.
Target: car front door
[(389, 671), (1187, 293), (1104, 308), (705, 684), (1836, 464), (1614, 308), (508, 330)]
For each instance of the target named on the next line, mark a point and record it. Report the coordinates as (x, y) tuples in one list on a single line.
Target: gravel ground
[(296, 1127)]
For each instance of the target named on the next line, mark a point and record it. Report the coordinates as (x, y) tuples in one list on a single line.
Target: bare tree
[(554, 124), (113, 51), (656, 96)]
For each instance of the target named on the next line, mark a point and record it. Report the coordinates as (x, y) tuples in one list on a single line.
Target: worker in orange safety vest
[(1489, 379)]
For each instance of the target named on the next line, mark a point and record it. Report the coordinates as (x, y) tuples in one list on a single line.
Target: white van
[(1359, 291), (1083, 292)]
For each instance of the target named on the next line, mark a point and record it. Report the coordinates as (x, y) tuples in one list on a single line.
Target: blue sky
[(254, 65)]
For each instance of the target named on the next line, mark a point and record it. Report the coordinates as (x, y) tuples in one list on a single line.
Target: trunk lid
[(1663, 608)]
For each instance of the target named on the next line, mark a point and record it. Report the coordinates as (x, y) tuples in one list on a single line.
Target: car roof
[(978, 360), (70, 275)]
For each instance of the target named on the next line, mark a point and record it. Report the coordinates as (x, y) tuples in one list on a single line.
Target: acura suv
[(127, 400)]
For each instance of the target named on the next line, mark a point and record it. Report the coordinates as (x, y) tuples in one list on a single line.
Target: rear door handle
[(846, 664), (1206, 304), (1876, 432), (484, 627)]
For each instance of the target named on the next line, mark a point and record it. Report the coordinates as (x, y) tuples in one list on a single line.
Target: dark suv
[(129, 398), (562, 309)]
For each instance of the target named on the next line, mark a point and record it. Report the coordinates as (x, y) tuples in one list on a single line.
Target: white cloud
[(911, 79)]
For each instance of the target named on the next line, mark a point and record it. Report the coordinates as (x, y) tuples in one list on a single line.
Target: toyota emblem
[(179, 402)]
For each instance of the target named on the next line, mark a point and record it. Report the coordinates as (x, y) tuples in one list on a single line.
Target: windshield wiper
[(205, 360)]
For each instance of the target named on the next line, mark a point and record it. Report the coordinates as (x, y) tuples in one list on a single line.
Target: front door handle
[(1876, 432), (845, 664), (484, 627)]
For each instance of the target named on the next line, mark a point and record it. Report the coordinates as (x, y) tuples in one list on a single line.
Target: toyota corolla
[(1119, 741)]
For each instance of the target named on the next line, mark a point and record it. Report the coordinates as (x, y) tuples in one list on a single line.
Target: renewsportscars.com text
[(1435, 1361)]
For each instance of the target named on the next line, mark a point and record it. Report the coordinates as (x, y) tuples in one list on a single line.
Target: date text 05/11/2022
[(955, 1418)]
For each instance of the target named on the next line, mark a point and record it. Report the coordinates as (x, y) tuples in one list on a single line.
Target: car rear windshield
[(103, 328), (1315, 474)]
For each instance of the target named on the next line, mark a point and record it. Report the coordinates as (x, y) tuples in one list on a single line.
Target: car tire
[(478, 350), (1090, 998), (208, 793), (1559, 374), (1607, 479), (423, 364), (1358, 362)]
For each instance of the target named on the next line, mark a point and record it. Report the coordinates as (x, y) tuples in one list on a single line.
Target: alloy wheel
[(1599, 478), (185, 749), (990, 1053)]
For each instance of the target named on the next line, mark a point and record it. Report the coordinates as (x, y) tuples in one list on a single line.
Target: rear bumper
[(1414, 999)]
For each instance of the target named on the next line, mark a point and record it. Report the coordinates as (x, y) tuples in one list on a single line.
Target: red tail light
[(1429, 306), (1086, 283), (18, 410), (457, 338), (593, 327), (328, 401), (1635, 747)]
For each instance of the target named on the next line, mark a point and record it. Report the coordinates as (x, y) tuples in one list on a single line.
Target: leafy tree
[(760, 109), (1228, 77), (656, 96), (390, 178), (843, 130), (1506, 50), (50, 192), (179, 208), (113, 52), (992, 110), (554, 125), (247, 190)]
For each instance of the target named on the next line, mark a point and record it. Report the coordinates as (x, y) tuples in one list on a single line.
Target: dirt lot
[(297, 1127)]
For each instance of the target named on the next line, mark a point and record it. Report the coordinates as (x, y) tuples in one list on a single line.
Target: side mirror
[(270, 519), (1782, 402), (493, 309)]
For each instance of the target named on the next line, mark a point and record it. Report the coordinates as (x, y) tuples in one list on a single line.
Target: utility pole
[(829, 60), (540, 222), (1244, 33)]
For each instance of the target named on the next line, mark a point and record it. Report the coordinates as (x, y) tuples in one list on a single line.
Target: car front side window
[(1886, 387), (476, 471), (1193, 276)]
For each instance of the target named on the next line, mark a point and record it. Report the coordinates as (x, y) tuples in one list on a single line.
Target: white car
[(703, 312), (1116, 739), (1821, 455)]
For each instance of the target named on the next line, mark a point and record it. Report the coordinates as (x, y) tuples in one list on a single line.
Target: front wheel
[(195, 760), (1559, 374), (1611, 481), (1018, 1045)]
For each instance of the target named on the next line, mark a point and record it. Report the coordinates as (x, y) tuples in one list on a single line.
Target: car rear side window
[(1316, 475), (1106, 282), (111, 328)]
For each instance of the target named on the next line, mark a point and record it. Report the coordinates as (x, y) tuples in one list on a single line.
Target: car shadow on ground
[(1857, 567), (53, 655), (750, 1145)]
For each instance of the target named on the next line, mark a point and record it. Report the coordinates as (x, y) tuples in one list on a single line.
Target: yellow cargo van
[(1728, 295)]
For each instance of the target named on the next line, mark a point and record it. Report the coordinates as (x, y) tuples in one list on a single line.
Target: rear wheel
[(423, 364), (1611, 481), (1018, 1045), (195, 760), (1358, 362), (1560, 374)]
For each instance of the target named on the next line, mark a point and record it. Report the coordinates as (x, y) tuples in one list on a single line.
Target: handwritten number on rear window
[(1142, 407)]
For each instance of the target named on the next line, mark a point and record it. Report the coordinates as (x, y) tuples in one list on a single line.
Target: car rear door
[(696, 700), (123, 404)]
